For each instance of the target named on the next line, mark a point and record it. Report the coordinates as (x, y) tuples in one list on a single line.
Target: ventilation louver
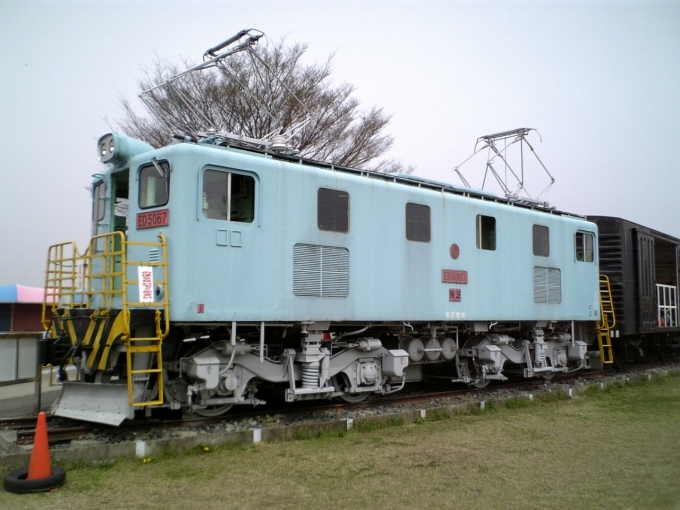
[(320, 271), (547, 285)]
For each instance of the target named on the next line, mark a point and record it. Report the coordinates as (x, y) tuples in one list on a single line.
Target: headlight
[(116, 148), (106, 148)]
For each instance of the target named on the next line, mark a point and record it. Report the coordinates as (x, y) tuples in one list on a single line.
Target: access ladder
[(607, 321)]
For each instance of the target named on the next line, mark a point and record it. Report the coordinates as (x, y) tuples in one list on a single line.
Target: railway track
[(63, 430)]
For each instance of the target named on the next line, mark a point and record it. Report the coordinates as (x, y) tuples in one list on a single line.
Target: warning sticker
[(145, 284)]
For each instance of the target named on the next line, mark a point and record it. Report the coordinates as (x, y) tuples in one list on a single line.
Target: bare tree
[(239, 96)]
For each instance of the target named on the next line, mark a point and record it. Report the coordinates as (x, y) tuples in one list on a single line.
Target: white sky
[(600, 81)]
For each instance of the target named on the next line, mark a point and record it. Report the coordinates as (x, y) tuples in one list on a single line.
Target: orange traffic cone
[(40, 475), (40, 465)]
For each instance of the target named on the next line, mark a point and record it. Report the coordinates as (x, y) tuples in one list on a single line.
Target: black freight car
[(643, 267)]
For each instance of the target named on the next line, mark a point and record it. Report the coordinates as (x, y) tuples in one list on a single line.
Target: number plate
[(153, 219), (453, 276)]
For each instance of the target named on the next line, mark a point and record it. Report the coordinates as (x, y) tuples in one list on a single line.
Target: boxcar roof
[(632, 224)]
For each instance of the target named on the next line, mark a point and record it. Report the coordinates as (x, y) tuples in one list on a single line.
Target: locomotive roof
[(405, 179), (126, 147)]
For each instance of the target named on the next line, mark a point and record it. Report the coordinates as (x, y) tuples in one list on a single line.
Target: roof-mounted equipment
[(510, 177), (278, 140)]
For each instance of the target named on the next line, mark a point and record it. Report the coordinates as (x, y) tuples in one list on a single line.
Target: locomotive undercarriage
[(219, 373), (207, 369), (483, 358), (226, 372)]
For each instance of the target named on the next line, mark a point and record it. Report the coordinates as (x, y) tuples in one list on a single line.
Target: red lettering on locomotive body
[(455, 295), (453, 276), (147, 284), (153, 219)]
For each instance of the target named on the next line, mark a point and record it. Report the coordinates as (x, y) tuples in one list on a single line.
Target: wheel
[(15, 481), (340, 381), (548, 375), (354, 399), (468, 368), (212, 411)]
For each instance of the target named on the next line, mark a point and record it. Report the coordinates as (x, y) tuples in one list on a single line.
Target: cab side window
[(585, 251), (228, 196)]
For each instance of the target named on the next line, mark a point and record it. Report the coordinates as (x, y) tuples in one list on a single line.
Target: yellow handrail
[(607, 321), (98, 280)]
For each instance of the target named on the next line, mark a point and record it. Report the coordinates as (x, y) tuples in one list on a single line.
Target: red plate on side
[(153, 219)]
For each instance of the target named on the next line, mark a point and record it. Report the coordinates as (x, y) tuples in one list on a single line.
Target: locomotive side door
[(110, 204), (645, 281), (119, 199), (110, 214), (119, 214), (100, 213)]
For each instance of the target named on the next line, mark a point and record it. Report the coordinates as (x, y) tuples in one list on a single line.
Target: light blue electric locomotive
[(216, 270)]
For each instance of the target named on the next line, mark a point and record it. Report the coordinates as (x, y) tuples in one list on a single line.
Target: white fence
[(19, 357), (667, 306)]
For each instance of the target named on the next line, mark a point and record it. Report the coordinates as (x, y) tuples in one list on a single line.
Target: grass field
[(617, 448)]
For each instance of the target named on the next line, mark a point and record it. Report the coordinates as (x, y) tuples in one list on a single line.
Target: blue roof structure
[(20, 294)]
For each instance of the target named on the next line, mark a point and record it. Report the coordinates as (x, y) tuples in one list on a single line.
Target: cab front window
[(154, 184)]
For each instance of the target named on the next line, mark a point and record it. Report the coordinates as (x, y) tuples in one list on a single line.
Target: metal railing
[(100, 277), (607, 321), (119, 275)]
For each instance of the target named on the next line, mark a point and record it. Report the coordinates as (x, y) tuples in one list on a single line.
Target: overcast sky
[(599, 80)]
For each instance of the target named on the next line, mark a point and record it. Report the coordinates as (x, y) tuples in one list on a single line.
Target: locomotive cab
[(103, 300)]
